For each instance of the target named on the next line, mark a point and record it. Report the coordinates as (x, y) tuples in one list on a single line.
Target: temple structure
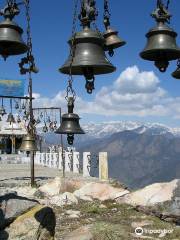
[(11, 137)]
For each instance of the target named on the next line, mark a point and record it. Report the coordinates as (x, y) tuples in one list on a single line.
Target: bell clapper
[(70, 139), (90, 85), (89, 76), (162, 65)]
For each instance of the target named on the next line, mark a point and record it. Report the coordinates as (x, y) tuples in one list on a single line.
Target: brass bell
[(28, 144), (11, 42), (10, 118), (112, 40), (176, 74), (89, 58), (161, 46), (70, 123)]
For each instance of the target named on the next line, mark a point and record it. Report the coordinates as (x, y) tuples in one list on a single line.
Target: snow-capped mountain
[(100, 130)]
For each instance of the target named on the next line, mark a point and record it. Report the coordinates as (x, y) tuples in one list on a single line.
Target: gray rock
[(82, 233), (12, 206), (37, 224)]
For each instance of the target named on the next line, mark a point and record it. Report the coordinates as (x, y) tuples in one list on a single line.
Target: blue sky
[(51, 28)]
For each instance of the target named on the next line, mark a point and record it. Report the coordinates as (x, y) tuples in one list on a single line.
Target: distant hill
[(139, 154)]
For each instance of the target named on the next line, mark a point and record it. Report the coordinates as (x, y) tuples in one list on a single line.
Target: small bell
[(112, 40), (11, 42), (18, 119), (176, 74), (16, 106), (2, 111), (161, 46), (70, 123), (23, 106), (38, 120), (45, 128), (28, 144), (10, 118)]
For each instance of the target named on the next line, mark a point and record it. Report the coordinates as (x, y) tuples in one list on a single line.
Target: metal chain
[(72, 54), (167, 5), (160, 4), (106, 9), (30, 59)]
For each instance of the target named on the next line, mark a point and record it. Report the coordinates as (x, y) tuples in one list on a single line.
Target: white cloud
[(134, 93)]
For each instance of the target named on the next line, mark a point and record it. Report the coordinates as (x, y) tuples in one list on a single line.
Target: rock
[(151, 195), (82, 233), (12, 206), (25, 191), (39, 223), (100, 191), (141, 224), (51, 188), (102, 206), (57, 186), (73, 213), (63, 199)]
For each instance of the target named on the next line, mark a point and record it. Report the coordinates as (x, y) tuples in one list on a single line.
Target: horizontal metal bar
[(50, 108), (13, 97)]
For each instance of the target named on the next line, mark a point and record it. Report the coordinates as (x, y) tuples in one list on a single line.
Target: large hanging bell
[(28, 144), (89, 57), (112, 40), (70, 123), (161, 45), (11, 42), (10, 118)]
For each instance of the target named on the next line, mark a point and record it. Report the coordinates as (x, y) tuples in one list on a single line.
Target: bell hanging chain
[(161, 14), (29, 59), (72, 53), (107, 14), (88, 13), (10, 10)]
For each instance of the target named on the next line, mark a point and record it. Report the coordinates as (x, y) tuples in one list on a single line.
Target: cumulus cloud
[(134, 93)]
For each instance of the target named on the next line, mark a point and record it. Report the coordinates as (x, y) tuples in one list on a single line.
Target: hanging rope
[(70, 89)]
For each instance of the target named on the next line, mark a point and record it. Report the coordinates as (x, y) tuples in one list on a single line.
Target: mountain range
[(139, 153)]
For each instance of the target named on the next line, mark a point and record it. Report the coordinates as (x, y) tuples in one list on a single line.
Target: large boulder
[(99, 190), (39, 223), (63, 199), (159, 199), (59, 185), (12, 206), (152, 194)]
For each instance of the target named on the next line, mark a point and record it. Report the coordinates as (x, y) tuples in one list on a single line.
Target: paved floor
[(19, 174), (12, 175)]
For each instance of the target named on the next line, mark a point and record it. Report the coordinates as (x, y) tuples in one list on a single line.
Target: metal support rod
[(62, 151), (31, 129)]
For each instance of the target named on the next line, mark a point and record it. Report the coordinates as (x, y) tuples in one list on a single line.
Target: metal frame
[(61, 136)]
